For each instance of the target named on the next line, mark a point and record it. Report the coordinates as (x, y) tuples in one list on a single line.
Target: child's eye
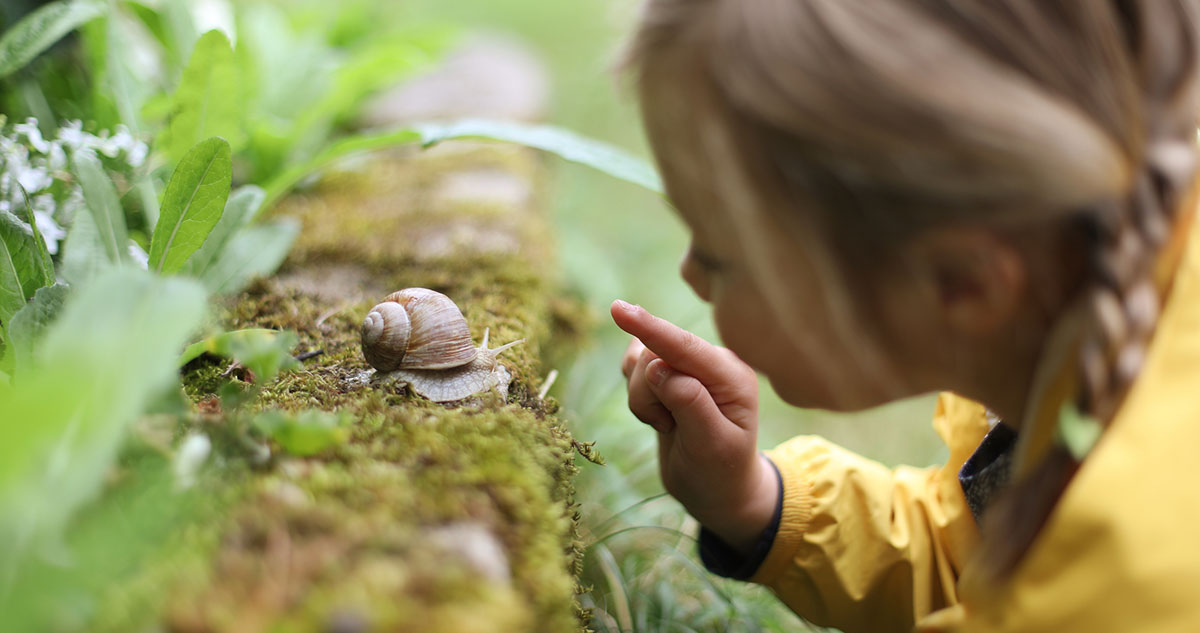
[(705, 260)]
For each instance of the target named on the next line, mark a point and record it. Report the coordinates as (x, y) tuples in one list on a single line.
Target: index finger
[(681, 349)]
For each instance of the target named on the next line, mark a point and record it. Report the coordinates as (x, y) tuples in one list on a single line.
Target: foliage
[(306, 433), (43, 28), (101, 362), (564, 143)]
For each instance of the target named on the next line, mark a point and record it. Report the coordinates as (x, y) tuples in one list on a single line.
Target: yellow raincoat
[(864, 548)]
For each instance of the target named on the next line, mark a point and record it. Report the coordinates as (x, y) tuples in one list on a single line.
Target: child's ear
[(978, 277)]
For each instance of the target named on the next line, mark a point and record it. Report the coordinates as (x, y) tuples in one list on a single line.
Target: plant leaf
[(41, 29), (253, 252), (224, 343), (31, 321), (1077, 431), (22, 270), (564, 143), (83, 255), (242, 206), (207, 102), (192, 204), (44, 262), (22, 241), (12, 295), (101, 199), (264, 352), (109, 353), (305, 433)]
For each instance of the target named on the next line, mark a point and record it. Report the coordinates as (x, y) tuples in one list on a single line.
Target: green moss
[(348, 538)]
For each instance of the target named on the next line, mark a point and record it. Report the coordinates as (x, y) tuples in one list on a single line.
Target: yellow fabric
[(864, 548)]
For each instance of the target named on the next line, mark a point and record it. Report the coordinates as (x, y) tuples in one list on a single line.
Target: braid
[(1123, 300), (1125, 237)]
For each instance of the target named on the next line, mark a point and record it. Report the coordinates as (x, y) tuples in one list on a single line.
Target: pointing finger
[(681, 349)]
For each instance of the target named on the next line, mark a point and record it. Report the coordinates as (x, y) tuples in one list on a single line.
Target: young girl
[(988, 198)]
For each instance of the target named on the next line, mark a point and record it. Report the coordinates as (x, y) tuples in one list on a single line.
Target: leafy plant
[(97, 365)]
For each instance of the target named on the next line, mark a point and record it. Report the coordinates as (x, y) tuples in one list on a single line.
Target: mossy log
[(431, 518)]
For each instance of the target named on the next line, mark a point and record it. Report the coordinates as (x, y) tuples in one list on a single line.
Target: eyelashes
[(705, 260)]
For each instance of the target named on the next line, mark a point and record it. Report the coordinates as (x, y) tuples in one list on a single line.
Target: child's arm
[(859, 546)]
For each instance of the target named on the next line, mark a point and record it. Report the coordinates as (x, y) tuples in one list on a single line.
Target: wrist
[(741, 522)]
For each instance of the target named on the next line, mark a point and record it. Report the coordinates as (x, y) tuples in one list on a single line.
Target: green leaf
[(264, 352), (242, 206), (1078, 432), (207, 102), (83, 256), (41, 29), (563, 143), (225, 343), (303, 434), (44, 262), (109, 353), (101, 198), (255, 251), (22, 270), (192, 204), (12, 296), (31, 321)]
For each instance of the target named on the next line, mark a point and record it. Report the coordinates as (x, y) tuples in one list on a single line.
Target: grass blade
[(192, 204)]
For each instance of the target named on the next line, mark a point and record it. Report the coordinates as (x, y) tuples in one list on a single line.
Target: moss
[(346, 540)]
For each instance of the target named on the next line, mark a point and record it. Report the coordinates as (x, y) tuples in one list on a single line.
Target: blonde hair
[(853, 125)]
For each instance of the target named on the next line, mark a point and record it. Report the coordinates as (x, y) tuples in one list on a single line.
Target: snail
[(418, 336)]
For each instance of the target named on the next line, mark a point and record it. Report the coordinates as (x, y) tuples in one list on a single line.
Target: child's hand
[(703, 401)]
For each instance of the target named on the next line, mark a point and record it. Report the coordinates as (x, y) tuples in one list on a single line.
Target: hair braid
[(1125, 237)]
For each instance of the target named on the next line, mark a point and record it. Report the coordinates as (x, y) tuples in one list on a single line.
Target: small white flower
[(192, 454), (72, 135), (51, 232), (140, 257), (32, 134), (58, 158), (33, 179)]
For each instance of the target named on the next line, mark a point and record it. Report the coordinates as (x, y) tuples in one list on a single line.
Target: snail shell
[(416, 328), (420, 337)]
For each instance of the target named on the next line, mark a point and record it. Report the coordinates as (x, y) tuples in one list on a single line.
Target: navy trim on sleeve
[(721, 559)]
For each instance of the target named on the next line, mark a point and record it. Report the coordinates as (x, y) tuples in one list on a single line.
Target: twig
[(307, 355), (321, 319), (547, 384)]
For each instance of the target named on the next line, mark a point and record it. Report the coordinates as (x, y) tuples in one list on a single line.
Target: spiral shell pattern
[(416, 328)]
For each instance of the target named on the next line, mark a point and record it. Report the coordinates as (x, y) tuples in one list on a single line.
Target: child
[(989, 198)]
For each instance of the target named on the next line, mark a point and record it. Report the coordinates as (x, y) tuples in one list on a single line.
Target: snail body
[(420, 337)]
